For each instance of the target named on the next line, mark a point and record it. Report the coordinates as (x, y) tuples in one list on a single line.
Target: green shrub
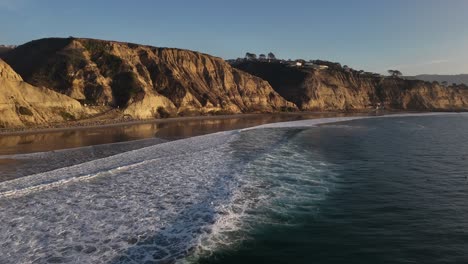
[(189, 112), (204, 99), (109, 64), (163, 113), (220, 112), (92, 93), (271, 95), (124, 86), (76, 60), (24, 111), (67, 116), (94, 46), (287, 109)]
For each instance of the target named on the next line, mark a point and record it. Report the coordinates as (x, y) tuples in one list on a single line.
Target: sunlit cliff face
[(23, 104), (145, 82)]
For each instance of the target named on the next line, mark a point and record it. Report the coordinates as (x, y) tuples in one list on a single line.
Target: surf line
[(88, 177), (42, 182)]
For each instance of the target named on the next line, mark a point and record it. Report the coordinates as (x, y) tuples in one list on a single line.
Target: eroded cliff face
[(22, 104), (144, 81), (419, 95), (330, 90), (338, 89)]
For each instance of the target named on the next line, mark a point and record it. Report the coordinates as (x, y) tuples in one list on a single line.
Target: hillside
[(4, 49), (450, 79), (341, 89), (143, 81), (22, 104)]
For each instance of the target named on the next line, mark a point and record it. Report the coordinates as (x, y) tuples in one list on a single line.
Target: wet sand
[(42, 140)]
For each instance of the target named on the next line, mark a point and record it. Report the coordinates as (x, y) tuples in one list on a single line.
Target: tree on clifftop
[(395, 73), (262, 57), (250, 56), (271, 56)]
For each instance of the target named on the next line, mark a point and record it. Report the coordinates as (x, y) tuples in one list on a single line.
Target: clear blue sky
[(414, 36)]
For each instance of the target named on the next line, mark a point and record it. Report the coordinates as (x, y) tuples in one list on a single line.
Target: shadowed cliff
[(337, 88)]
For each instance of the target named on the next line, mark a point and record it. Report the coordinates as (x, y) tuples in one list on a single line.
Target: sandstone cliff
[(23, 104), (339, 89), (143, 81)]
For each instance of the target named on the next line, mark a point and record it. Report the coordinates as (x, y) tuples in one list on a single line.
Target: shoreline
[(62, 127), (51, 139), (94, 125)]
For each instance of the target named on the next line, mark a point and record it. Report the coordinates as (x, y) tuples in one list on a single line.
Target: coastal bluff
[(142, 81), (58, 80), (342, 88)]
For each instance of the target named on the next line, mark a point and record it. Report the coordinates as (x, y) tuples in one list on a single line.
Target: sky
[(413, 36)]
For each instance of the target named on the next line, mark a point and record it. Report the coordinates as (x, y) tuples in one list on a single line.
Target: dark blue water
[(396, 192)]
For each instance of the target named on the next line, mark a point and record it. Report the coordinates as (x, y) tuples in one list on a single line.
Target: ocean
[(388, 189)]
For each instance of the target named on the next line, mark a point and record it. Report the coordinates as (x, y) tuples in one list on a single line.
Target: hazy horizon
[(416, 37)]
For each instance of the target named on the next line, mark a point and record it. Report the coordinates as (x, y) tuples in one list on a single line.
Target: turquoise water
[(376, 190)]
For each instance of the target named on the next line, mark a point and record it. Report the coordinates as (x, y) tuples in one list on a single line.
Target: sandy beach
[(76, 134)]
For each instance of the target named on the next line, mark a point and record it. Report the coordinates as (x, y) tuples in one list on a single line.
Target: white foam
[(105, 165), (66, 152), (161, 197), (275, 182), (39, 162)]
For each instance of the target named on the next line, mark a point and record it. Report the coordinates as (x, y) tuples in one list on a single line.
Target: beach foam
[(160, 197)]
